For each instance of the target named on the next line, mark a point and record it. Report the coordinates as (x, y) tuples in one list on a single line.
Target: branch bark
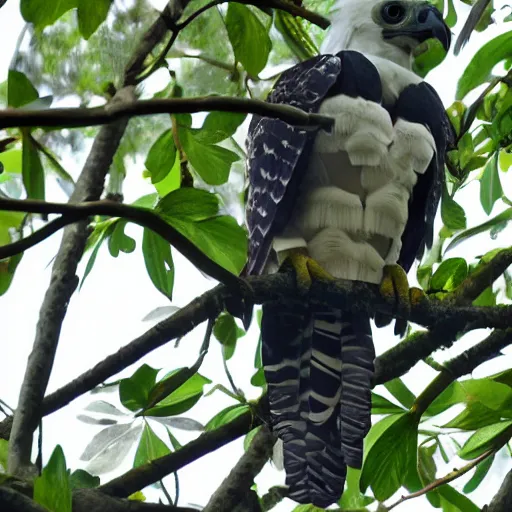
[(62, 286), (502, 502), (76, 117), (145, 475), (238, 483), (89, 187), (72, 213)]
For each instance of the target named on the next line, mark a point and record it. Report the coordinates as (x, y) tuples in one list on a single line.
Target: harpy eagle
[(349, 203)]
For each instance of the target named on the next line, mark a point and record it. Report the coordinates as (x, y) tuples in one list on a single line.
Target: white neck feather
[(352, 28)]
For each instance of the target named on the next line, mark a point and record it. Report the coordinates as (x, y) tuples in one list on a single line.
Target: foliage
[(191, 171)]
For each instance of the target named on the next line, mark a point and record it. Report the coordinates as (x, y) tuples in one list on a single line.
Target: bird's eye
[(393, 13)]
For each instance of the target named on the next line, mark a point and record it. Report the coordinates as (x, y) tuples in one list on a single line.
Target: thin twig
[(456, 473), (9, 250)]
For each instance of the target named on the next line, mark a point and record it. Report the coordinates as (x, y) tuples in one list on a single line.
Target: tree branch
[(141, 216), (238, 483), (15, 501), (62, 285), (502, 501), (76, 117), (145, 475), (482, 278), (456, 473), (401, 358), (461, 365), (93, 500), (357, 296)]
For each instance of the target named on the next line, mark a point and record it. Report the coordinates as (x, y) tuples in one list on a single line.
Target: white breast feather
[(358, 183), (362, 128), (344, 257)]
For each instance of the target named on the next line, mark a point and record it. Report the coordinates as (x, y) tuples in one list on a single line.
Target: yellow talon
[(306, 268), (394, 286), (416, 295)]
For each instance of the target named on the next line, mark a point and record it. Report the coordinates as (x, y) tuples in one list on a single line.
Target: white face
[(390, 29)]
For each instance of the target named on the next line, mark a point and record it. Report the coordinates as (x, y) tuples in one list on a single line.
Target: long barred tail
[(318, 366)]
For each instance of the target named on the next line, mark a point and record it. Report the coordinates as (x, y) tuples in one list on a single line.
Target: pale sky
[(107, 313)]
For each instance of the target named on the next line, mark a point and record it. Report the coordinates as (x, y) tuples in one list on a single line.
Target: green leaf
[(181, 400), (486, 438), (452, 497), (390, 453), (194, 213), (449, 275), (352, 498), (466, 149), (474, 416), (490, 185), (427, 471), (81, 479), (101, 232), (226, 415), (134, 391), (295, 35), (455, 113), (480, 68), (308, 508), (91, 15), (53, 488), (42, 13), (492, 394), (7, 269), (212, 163), (161, 157), (503, 217), (401, 392), (505, 160), (158, 261), (481, 472), (218, 126), (150, 447), (486, 298), (432, 54), (227, 333), (381, 405), (20, 90), (248, 37), (32, 168), (119, 241), (250, 436), (452, 213), (258, 379), (4, 451)]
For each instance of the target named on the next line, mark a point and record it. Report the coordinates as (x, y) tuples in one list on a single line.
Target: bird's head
[(387, 28)]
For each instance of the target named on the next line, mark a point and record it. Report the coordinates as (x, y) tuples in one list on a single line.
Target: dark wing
[(278, 153), (421, 104)]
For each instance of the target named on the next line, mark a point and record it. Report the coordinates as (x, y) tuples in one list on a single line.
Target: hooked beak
[(426, 23)]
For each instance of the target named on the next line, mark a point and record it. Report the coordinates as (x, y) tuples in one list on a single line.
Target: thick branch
[(482, 278), (93, 500), (62, 285), (398, 360), (502, 502), (141, 216), (462, 365), (265, 288), (15, 501), (238, 483), (76, 117)]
